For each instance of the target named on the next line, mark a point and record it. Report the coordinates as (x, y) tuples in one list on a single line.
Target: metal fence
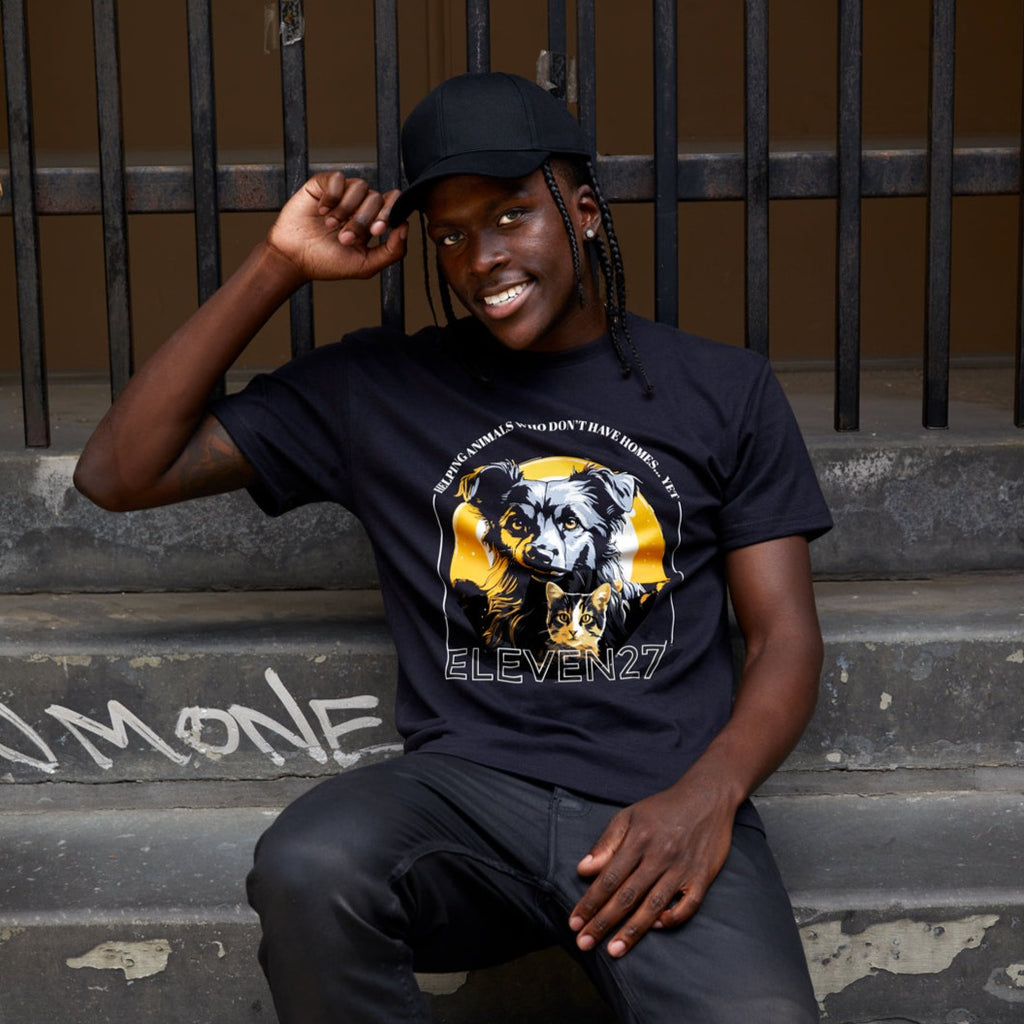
[(664, 178)]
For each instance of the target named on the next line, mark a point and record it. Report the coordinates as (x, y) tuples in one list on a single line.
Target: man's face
[(503, 249)]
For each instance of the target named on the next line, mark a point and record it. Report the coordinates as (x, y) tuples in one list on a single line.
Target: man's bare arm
[(157, 444), (657, 858)]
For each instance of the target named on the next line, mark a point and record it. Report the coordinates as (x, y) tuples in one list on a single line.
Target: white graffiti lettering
[(214, 733)]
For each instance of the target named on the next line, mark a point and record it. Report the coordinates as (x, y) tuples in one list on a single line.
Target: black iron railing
[(664, 178)]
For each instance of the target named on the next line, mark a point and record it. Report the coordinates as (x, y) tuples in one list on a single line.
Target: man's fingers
[(682, 908), (390, 198), (663, 907), (375, 258), (614, 894), (604, 849)]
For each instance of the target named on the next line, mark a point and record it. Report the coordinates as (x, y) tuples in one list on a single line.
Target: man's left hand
[(653, 864)]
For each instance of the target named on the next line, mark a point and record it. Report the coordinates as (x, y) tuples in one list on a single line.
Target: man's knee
[(325, 846)]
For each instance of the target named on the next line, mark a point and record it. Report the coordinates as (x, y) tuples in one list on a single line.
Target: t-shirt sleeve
[(772, 490), (291, 427)]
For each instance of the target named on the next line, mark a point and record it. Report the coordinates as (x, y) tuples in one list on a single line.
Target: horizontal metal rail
[(886, 174)]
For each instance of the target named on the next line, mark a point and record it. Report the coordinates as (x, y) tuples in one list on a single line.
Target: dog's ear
[(618, 489), (486, 486)]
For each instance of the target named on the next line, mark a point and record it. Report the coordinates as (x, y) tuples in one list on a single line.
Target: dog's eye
[(515, 524), (570, 522)]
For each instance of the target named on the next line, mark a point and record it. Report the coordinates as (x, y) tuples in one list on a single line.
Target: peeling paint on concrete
[(843, 664), (860, 473), (51, 481), (146, 661), (834, 757), (441, 984), (64, 660), (838, 959), (1017, 658), (1007, 983), (6, 934), (885, 702), (136, 959)]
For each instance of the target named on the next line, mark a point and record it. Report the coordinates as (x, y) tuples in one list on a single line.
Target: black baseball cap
[(492, 123)]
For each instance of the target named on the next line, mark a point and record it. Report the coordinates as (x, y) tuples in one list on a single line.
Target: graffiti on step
[(214, 733)]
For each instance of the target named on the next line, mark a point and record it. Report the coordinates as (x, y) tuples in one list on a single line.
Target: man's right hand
[(336, 228)]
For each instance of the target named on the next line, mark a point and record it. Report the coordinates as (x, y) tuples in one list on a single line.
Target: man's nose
[(486, 254)]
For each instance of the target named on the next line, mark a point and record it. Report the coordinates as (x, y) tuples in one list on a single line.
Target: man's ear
[(584, 202)]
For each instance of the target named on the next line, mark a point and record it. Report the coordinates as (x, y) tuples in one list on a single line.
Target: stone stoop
[(148, 739), (170, 679)]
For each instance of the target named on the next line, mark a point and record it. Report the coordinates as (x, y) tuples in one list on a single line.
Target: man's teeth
[(506, 296)]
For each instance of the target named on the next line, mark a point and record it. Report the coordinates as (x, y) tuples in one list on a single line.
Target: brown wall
[(339, 42)]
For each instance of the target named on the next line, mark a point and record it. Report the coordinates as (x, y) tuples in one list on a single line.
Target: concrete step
[(904, 507), (909, 904), (257, 685), (907, 501)]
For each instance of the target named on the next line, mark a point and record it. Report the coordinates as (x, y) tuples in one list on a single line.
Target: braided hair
[(609, 258)]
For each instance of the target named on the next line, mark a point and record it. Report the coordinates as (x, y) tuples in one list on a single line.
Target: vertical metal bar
[(940, 214), (296, 153), (756, 152), (35, 398), (586, 67), (666, 148), (557, 46), (389, 173), (1018, 389), (204, 147), (478, 35), (115, 218), (848, 216)]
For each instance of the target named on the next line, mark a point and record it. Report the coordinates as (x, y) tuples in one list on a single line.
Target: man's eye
[(451, 239), (509, 217)]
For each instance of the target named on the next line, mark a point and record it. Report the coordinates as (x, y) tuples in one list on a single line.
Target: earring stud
[(591, 233)]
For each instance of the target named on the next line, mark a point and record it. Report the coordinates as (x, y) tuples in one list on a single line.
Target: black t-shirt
[(550, 539)]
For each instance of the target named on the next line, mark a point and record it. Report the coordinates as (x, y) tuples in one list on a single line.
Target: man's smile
[(501, 298)]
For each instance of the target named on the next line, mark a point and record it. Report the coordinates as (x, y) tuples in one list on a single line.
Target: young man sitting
[(560, 496)]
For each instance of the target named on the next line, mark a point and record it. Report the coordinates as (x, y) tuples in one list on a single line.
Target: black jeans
[(432, 863)]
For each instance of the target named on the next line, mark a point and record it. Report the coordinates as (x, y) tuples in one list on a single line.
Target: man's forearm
[(153, 420)]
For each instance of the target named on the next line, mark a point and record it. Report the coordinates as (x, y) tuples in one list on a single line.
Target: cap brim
[(515, 163)]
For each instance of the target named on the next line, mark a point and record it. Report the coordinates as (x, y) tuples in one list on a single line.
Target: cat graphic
[(576, 621)]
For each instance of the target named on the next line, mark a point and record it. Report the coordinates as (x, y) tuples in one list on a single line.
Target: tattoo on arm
[(211, 463)]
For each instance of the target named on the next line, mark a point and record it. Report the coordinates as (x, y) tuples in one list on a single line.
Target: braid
[(446, 295), (611, 313), (615, 285), (556, 195)]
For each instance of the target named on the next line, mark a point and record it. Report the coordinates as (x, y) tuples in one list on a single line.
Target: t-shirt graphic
[(558, 558)]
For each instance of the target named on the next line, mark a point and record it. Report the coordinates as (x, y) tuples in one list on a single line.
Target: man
[(559, 496)]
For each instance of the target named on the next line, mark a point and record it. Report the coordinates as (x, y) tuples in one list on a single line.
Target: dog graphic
[(560, 530)]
